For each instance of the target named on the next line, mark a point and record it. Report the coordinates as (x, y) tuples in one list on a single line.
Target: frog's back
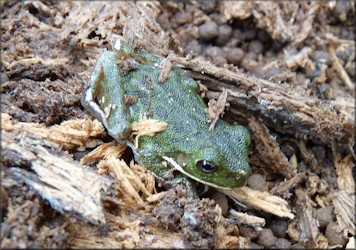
[(175, 101)]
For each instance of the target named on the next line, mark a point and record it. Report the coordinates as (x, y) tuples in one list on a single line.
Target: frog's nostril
[(240, 174)]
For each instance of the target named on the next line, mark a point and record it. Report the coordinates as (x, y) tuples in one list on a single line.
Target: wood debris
[(301, 59), (260, 201), (125, 232), (166, 67), (30, 61), (247, 219), (284, 188), (306, 28), (307, 223), (344, 205), (269, 150), (66, 185), (341, 70), (309, 157), (344, 167), (227, 237), (147, 127), (238, 9), (128, 183), (142, 31), (103, 152), (76, 133), (216, 109), (267, 15)]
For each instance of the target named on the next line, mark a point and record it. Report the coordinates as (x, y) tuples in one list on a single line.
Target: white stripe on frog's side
[(180, 169), (89, 100)]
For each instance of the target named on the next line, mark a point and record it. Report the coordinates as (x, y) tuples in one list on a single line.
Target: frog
[(124, 86)]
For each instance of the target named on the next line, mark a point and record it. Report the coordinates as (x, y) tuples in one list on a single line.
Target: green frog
[(124, 87)]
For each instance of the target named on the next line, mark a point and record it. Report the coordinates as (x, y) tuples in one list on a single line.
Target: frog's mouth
[(180, 169)]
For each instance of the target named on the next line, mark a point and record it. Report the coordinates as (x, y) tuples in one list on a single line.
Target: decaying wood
[(344, 166), (351, 244), (141, 30), (309, 157), (70, 134), (216, 109), (260, 201), (247, 219), (166, 67), (340, 69), (344, 199), (124, 232), (307, 223), (262, 13), (102, 152), (301, 59), (278, 105), (344, 206), (268, 149), (239, 9), (131, 181), (66, 185), (283, 189), (226, 240)]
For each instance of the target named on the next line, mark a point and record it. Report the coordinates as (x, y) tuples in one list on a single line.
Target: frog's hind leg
[(105, 96)]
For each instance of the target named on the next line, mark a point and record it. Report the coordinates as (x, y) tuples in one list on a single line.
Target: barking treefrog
[(124, 86)]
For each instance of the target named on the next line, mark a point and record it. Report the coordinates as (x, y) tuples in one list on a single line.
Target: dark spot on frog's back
[(178, 127), (161, 111)]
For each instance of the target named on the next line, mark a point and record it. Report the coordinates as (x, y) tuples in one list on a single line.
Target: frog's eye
[(206, 166)]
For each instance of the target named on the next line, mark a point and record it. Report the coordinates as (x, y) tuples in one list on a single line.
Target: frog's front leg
[(105, 97), (189, 185), (168, 177)]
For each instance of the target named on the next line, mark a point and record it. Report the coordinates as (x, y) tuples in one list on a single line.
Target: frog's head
[(209, 166)]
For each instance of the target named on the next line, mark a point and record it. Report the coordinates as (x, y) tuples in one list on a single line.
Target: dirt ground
[(288, 69)]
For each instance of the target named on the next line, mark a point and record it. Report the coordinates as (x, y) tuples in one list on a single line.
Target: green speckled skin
[(177, 102)]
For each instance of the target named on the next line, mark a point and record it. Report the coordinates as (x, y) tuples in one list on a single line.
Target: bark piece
[(278, 105), (344, 166), (247, 219), (307, 223), (103, 152), (341, 70), (216, 109), (269, 149), (260, 200), (67, 186), (283, 189), (130, 181), (344, 207), (236, 10), (71, 134)]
